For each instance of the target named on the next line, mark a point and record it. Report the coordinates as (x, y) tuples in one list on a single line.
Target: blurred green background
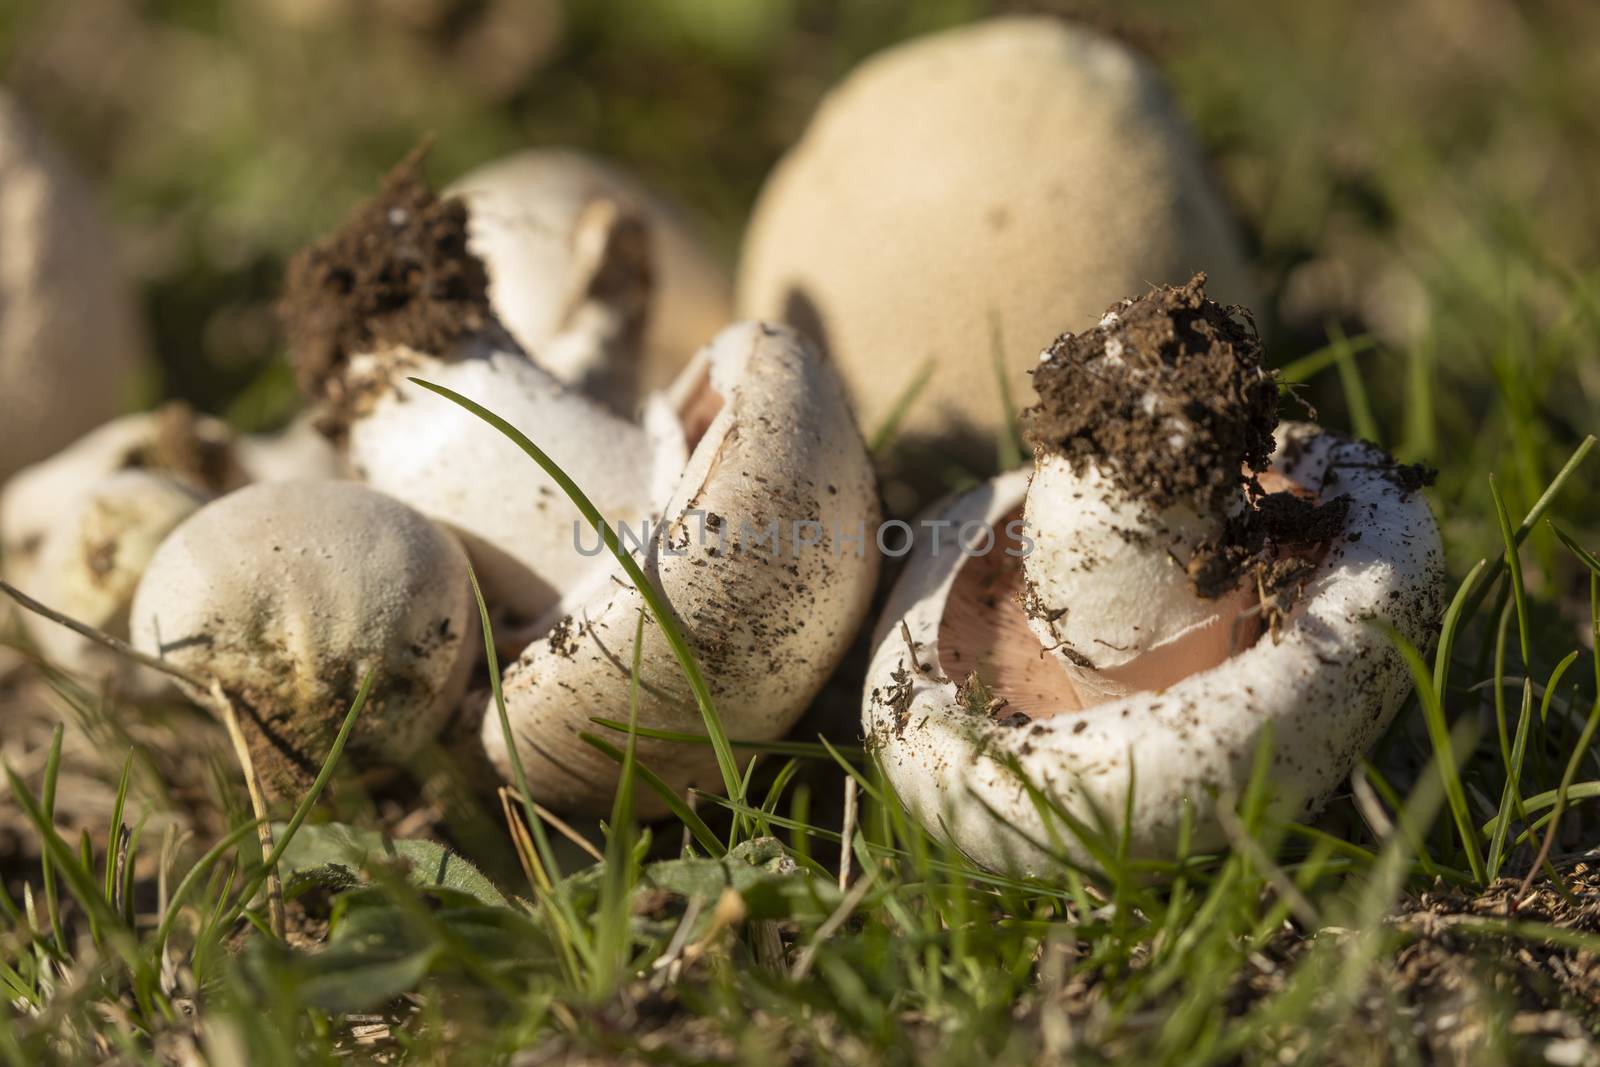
[(1418, 171)]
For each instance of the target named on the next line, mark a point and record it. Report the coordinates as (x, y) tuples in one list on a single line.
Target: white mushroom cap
[(69, 335), (516, 523), (296, 451), (547, 223), (1326, 687), (1021, 169), (774, 443), (288, 593)]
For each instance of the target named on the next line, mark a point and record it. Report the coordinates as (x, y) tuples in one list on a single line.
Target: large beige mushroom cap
[(769, 559), (551, 225), (1023, 169), (69, 335), (289, 593)]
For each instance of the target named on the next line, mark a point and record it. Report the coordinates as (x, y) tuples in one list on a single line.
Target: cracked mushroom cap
[(1326, 684), (774, 449), (1021, 171), (90, 565), (288, 593), (567, 239), (70, 340), (77, 529)]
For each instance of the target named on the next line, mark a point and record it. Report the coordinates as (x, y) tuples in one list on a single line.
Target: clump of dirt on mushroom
[(1168, 396), (181, 443), (397, 273)]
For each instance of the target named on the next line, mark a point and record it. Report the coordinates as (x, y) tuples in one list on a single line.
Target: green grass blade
[(1529, 521), (117, 810), (1314, 363), (676, 804), (1514, 568), (80, 880), (302, 810), (884, 436), (52, 900), (1439, 735), (550, 870), (1511, 796), (1585, 557), (200, 870), (1008, 452), (1454, 615), (1555, 680), (1362, 421), (613, 939)]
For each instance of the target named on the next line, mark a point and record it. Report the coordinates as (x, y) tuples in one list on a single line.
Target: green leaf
[(760, 870), (381, 946), (340, 857)]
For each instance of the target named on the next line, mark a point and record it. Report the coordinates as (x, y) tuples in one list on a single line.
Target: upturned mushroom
[(1174, 583), (599, 278), (766, 551), (78, 529), (1018, 173), (70, 341), (287, 594)]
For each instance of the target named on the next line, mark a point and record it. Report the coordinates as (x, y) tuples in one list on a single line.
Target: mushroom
[(287, 594), (767, 553), (598, 278), (69, 336), (396, 294), (77, 530), (1151, 602), (1013, 174), (767, 550)]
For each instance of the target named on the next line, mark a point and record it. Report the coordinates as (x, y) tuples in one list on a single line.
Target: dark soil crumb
[(563, 637), (1411, 477), (897, 698), (1294, 522), (1277, 542), (1168, 396), (181, 448), (397, 273)]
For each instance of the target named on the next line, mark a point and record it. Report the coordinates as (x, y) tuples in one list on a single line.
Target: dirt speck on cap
[(398, 272), (1167, 395)]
